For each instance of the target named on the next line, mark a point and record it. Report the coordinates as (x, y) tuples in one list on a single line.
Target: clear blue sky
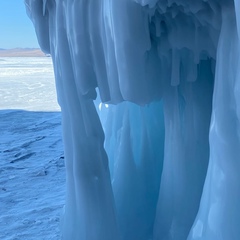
[(16, 29)]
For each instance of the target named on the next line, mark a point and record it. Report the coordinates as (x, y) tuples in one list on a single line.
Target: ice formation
[(161, 161)]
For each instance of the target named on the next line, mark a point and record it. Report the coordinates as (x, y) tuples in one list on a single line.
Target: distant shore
[(22, 52)]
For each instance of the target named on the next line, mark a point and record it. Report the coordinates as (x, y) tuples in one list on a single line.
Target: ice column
[(218, 216), (187, 111), (89, 210)]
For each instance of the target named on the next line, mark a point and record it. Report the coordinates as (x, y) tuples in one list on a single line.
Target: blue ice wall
[(161, 160)]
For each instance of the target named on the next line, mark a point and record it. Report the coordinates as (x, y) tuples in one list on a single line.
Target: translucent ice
[(162, 162)]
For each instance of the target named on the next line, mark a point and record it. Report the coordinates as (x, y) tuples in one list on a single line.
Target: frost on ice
[(162, 160)]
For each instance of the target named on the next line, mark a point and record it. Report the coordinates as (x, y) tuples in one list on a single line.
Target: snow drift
[(171, 142)]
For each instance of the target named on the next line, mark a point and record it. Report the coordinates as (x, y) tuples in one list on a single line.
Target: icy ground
[(32, 178)]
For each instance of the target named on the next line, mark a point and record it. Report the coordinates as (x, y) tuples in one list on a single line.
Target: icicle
[(44, 6), (175, 77)]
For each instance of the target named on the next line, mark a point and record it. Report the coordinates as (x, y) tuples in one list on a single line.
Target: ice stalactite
[(172, 140)]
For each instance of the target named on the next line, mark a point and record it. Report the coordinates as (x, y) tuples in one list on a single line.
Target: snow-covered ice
[(27, 83), (32, 176)]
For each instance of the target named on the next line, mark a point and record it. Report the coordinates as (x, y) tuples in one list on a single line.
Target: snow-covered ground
[(32, 177)]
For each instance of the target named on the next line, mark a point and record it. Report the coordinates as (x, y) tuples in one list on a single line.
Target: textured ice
[(172, 140)]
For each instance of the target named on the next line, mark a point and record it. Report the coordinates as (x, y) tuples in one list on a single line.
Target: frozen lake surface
[(27, 83), (32, 177)]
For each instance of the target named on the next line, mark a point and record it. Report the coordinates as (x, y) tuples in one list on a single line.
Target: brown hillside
[(21, 52)]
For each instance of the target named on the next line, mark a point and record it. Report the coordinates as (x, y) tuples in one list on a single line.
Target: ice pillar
[(187, 112), (89, 211), (218, 216)]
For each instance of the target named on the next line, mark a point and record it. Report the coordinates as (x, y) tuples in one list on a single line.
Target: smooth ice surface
[(166, 168)]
